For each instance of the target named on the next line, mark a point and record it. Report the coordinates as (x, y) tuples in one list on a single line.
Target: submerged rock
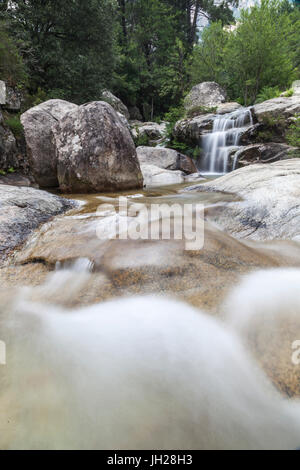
[(38, 123), (166, 159), (269, 209), (95, 151), (22, 211), (206, 94)]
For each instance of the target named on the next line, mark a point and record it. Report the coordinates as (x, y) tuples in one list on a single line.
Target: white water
[(223, 140), (141, 373)]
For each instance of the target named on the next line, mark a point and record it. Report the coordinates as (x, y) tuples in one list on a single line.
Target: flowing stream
[(89, 368), (224, 141)]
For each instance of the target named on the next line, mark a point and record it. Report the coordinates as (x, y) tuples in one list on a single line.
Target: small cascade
[(224, 140)]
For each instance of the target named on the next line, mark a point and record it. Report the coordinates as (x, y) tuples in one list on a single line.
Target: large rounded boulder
[(95, 151), (206, 95), (38, 123)]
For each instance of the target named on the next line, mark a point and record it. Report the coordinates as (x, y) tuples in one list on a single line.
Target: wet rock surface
[(127, 267), (269, 208), (22, 211)]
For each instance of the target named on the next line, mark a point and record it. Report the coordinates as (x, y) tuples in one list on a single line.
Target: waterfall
[(224, 140)]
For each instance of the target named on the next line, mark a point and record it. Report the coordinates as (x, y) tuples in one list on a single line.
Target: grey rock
[(95, 151), (116, 103), (152, 130), (190, 131), (250, 134), (9, 156), (229, 107), (166, 159), (261, 153), (155, 176), (13, 99), (296, 87), (269, 208), (22, 211), (2, 93), (206, 94), (16, 179), (135, 113), (38, 123), (277, 108)]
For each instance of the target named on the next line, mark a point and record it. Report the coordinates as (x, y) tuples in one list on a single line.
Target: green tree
[(156, 38), (258, 53), (150, 70), (68, 46), (12, 68), (208, 56)]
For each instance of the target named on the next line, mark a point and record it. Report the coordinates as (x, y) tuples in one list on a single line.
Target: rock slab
[(22, 211), (269, 208)]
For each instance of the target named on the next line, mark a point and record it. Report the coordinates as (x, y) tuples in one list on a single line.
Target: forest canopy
[(148, 52)]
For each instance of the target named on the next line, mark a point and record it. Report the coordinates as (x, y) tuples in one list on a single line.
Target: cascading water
[(223, 140)]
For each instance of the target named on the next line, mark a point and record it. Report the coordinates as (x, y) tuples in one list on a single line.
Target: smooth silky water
[(224, 141), (141, 344)]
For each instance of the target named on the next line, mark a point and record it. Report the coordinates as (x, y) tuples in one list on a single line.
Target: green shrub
[(34, 100), (267, 93), (294, 153), (12, 68), (293, 134), (174, 115), (199, 110), (15, 125), (265, 136), (289, 93), (142, 140)]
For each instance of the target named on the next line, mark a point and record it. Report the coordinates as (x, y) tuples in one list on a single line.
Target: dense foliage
[(148, 52), (259, 54)]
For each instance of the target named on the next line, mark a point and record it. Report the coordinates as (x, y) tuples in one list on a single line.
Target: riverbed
[(122, 268)]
